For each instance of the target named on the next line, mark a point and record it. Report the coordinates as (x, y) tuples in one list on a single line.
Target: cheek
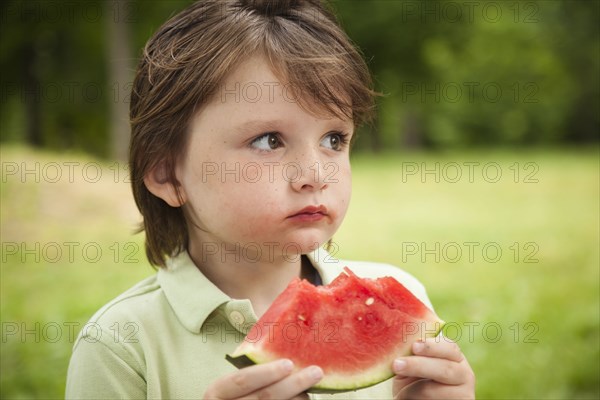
[(230, 186), (247, 203), (344, 185)]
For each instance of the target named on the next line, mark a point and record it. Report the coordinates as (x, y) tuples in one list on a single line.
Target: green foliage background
[(453, 74), (439, 65)]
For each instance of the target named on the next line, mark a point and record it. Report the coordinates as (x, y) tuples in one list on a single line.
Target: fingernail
[(315, 372), (287, 365), (418, 347), (399, 365)]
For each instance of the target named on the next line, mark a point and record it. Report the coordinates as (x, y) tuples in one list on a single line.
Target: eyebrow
[(275, 125), (259, 125)]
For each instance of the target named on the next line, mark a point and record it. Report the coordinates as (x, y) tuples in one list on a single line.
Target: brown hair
[(187, 59)]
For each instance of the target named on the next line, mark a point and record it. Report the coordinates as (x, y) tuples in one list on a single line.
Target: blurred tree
[(51, 84), (20, 77), (577, 38), (390, 41), (452, 73), (119, 65), (466, 73)]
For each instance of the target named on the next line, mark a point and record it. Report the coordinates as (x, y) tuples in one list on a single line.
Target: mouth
[(310, 213)]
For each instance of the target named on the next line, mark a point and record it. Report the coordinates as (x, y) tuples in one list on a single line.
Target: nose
[(307, 173)]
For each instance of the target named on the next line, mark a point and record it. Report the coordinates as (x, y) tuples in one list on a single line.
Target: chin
[(312, 247), (308, 243)]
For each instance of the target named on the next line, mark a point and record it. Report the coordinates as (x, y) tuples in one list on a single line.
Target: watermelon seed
[(301, 317), (370, 301)]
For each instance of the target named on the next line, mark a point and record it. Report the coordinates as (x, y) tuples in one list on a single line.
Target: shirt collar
[(326, 265), (193, 297)]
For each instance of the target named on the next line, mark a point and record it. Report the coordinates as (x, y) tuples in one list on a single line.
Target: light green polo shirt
[(167, 336)]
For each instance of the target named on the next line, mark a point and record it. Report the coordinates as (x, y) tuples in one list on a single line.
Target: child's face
[(262, 173)]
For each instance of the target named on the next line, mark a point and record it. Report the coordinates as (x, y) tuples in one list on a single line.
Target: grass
[(527, 318)]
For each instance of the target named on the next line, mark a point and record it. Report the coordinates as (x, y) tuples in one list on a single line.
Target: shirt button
[(237, 317)]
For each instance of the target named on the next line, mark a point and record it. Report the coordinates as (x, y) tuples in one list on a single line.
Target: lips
[(310, 213)]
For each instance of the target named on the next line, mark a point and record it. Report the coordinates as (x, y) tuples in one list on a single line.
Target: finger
[(437, 369), (292, 385), (438, 347), (400, 382), (427, 389), (404, 380), (303, 396), (419, 389), (250, 379)]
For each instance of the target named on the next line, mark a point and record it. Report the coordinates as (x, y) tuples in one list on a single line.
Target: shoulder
[(108, 355), (329, 267), (129, 312), (134, 303)]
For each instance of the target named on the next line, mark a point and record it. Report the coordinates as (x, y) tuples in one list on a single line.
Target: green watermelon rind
[(249, 359), (245, 360)]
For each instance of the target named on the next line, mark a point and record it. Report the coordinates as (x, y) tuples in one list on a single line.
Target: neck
[(241, 276)]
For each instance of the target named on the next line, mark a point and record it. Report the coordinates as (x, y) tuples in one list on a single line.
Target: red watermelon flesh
[(352, 328)]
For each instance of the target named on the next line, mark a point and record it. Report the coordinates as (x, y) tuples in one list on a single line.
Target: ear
[(157, 182)]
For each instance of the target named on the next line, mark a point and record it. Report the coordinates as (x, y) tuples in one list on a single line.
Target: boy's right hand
[(273, 380)]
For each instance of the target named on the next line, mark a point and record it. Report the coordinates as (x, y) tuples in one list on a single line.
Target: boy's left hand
[(437, 370)]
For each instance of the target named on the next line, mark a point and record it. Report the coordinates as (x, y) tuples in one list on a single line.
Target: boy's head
[(185, 64)]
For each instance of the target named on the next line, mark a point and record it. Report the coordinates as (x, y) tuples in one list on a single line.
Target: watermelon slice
[(353, 329)]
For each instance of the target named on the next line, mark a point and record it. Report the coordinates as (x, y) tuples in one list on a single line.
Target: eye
[(266, 142), (335, 141)]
